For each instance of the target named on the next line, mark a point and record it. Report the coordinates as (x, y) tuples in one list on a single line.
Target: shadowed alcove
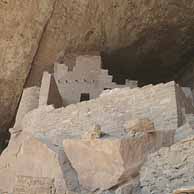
[(151, 67)]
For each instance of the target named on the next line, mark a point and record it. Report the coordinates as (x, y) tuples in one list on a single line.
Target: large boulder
[(110, 161), (21, 26), (29, 157)]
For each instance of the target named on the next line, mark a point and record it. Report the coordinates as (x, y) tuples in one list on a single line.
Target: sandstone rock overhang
[(147, 39), (21, 27)]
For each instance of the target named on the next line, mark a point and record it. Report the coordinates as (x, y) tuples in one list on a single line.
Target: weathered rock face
[(27, 184), (153, 33), (169, 169), (21, 27)]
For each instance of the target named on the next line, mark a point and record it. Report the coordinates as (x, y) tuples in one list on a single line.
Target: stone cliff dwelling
[(87, 80), (112, 113), (84, 77), (127, 120)]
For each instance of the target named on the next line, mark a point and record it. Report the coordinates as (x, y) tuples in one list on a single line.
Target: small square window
[(84, 97)]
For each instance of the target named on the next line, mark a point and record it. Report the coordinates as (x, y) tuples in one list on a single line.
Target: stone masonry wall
[(44, 129), (87, 77), (157, 103), (111, 110)]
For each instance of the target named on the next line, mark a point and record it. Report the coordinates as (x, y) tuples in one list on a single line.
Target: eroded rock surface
[(155, 34), (169, 169), (32, 185), (21, 26)]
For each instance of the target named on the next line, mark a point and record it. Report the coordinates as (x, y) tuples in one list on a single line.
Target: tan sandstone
[(94, 133), (136, 26), (142, 124), (184, 190), (33, 185), (106, 162), (21, 26), (27, 156), (169, 170)]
